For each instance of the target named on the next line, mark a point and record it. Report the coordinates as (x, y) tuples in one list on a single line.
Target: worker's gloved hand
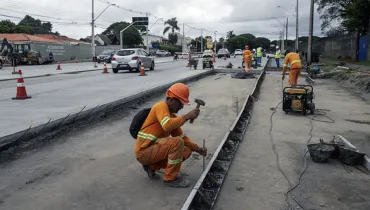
[(283, 77), (193, 114), (202, 151)]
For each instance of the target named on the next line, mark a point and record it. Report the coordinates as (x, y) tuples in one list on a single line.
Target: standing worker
[(259, 56), (294, 61), (247, 56), (277, 56), (154, 147)]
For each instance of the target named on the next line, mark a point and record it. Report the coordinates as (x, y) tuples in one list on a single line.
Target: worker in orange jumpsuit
[(294, 61), (154, 147), (247, 57)]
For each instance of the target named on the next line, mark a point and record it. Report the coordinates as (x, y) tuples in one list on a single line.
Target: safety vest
[(259, 52), (278, 54)]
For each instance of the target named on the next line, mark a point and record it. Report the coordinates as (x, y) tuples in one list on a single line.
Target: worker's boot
[(178, 183), (151, 173)]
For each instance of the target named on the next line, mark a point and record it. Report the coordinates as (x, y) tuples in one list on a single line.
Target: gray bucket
[(320, 153)]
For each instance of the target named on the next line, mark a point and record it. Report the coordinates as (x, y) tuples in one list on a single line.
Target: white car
[(162, 53), (131, 59), (238, 52)]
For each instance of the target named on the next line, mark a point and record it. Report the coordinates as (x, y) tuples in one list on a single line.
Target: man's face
[(175, 105)]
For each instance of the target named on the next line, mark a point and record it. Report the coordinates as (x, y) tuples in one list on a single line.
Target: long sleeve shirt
[(160, 123), (247, 55), (293, 60)]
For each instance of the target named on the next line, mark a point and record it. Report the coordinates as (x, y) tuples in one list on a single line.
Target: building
[(187, 41), (154, 38)]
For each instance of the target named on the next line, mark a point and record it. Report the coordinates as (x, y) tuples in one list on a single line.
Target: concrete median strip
[(50, 129)]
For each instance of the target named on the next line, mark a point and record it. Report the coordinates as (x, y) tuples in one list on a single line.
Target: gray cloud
[(241, 16)]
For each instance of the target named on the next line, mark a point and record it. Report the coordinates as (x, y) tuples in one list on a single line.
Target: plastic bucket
[(320, 153)]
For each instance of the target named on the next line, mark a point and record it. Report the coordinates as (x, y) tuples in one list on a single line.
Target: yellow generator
[(298, 98)]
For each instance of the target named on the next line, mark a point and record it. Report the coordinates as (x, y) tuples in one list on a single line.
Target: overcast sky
[(241, 16)]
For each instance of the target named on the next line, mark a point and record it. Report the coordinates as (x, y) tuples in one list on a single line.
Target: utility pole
[(215, 42), (309, 53), (92, 34), (282, 41), (286, 38), (183, 37), (296, 28), (201, 40), (147, 36)]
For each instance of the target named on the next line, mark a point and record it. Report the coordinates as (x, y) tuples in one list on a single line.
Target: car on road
[(131, 59), (105, 56), (208, 52), (162, 53), (222, 53), (238, 52)]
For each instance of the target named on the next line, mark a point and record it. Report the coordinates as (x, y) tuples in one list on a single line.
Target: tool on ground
[(21, 89), (199, 103), (142, 70), (204, 160), (105, 70), (58, 67), (298, 98)]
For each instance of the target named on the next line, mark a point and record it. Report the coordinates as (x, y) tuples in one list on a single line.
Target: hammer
[(199, 102)]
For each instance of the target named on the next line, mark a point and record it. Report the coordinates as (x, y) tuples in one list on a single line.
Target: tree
[(350, 14), (172, 26), (130, 37), (261, 42), (37, 26)]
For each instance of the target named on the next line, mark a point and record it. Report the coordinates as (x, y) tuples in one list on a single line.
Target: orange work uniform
[(247, 56), (156, 149), (295, 67)]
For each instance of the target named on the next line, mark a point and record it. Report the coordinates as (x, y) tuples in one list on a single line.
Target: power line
[(29, 13)]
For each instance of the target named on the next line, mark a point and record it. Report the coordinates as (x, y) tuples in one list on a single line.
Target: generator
[(298, 98)]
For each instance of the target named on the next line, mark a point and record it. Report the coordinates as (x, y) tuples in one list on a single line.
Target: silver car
[(131, 59)]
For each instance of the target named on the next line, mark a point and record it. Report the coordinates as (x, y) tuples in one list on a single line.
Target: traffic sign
[(140, 21)]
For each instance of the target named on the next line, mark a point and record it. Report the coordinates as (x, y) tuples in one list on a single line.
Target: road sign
[(140, 21)]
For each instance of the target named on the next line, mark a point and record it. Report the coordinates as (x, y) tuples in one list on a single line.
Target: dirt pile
[(359, 80)]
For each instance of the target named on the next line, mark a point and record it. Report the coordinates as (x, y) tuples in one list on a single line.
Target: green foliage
[(171, 48), (6, 26), (172, 38), (37, 26), (197, 43), (172, 25), (130, 37), (156, 43)]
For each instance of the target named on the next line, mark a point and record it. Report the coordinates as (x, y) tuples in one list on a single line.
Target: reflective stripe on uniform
[(285, 65), (295, 61), (174, 162), (146, 136), (182, 135), (165, 120)]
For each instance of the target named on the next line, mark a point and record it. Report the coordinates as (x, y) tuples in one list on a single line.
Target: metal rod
[(297, 30), (309, 53), (204, 161), (92, 33)]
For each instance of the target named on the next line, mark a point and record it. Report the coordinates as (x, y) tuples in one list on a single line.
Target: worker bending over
[(294, 61), (247, 57), (154, 147)]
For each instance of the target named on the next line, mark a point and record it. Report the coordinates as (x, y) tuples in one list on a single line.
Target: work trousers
[(259, 61), (166, 153), (277, 62), (293, 76), (247, 64)]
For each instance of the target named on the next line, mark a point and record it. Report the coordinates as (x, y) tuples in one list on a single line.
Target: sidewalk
[(254, 181), (30, 71)]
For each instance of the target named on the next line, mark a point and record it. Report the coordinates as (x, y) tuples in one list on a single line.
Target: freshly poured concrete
[(323, 186), (96, 168)]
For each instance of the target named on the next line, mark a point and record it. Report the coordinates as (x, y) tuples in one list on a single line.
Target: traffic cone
[(58, 67), (21, 89), (105, 70), (225, 57), (142, 70), (214, 59), (188, 65), (76, 60)]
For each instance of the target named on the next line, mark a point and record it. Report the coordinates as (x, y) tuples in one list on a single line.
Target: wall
[(63, 51), (151, 39)]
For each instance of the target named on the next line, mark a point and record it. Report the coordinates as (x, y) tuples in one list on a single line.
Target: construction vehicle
[(21, 52)]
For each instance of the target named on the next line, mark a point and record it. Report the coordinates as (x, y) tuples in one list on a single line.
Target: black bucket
[(320, 153), (350, 157)]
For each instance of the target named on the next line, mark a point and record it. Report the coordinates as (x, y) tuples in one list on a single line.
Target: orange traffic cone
[(224, 57), (214, 59), (142, 70), (76, 60), (105, 70), (21, 89), (188, 65), (58, 67)]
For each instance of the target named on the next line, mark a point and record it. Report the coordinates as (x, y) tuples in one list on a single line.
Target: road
[(95, 168)]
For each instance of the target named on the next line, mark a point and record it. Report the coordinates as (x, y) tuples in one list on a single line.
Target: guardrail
[(204, 194)]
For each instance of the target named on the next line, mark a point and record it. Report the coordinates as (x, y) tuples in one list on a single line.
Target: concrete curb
[(52, 128), (206, 190), (366, 162), (72, 72)]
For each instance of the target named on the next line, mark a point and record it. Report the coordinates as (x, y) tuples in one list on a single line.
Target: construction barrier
[(21, 89)]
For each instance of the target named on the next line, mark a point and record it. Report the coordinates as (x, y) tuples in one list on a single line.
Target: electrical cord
[(319, 113)]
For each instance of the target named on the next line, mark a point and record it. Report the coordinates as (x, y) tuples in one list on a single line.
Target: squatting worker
[(247, 56), (154, 147), (294, 61)]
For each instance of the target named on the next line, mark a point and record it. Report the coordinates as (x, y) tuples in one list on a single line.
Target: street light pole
[(201, 40), (147, 36), (93, 35), (309, 53), (286, 31)]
